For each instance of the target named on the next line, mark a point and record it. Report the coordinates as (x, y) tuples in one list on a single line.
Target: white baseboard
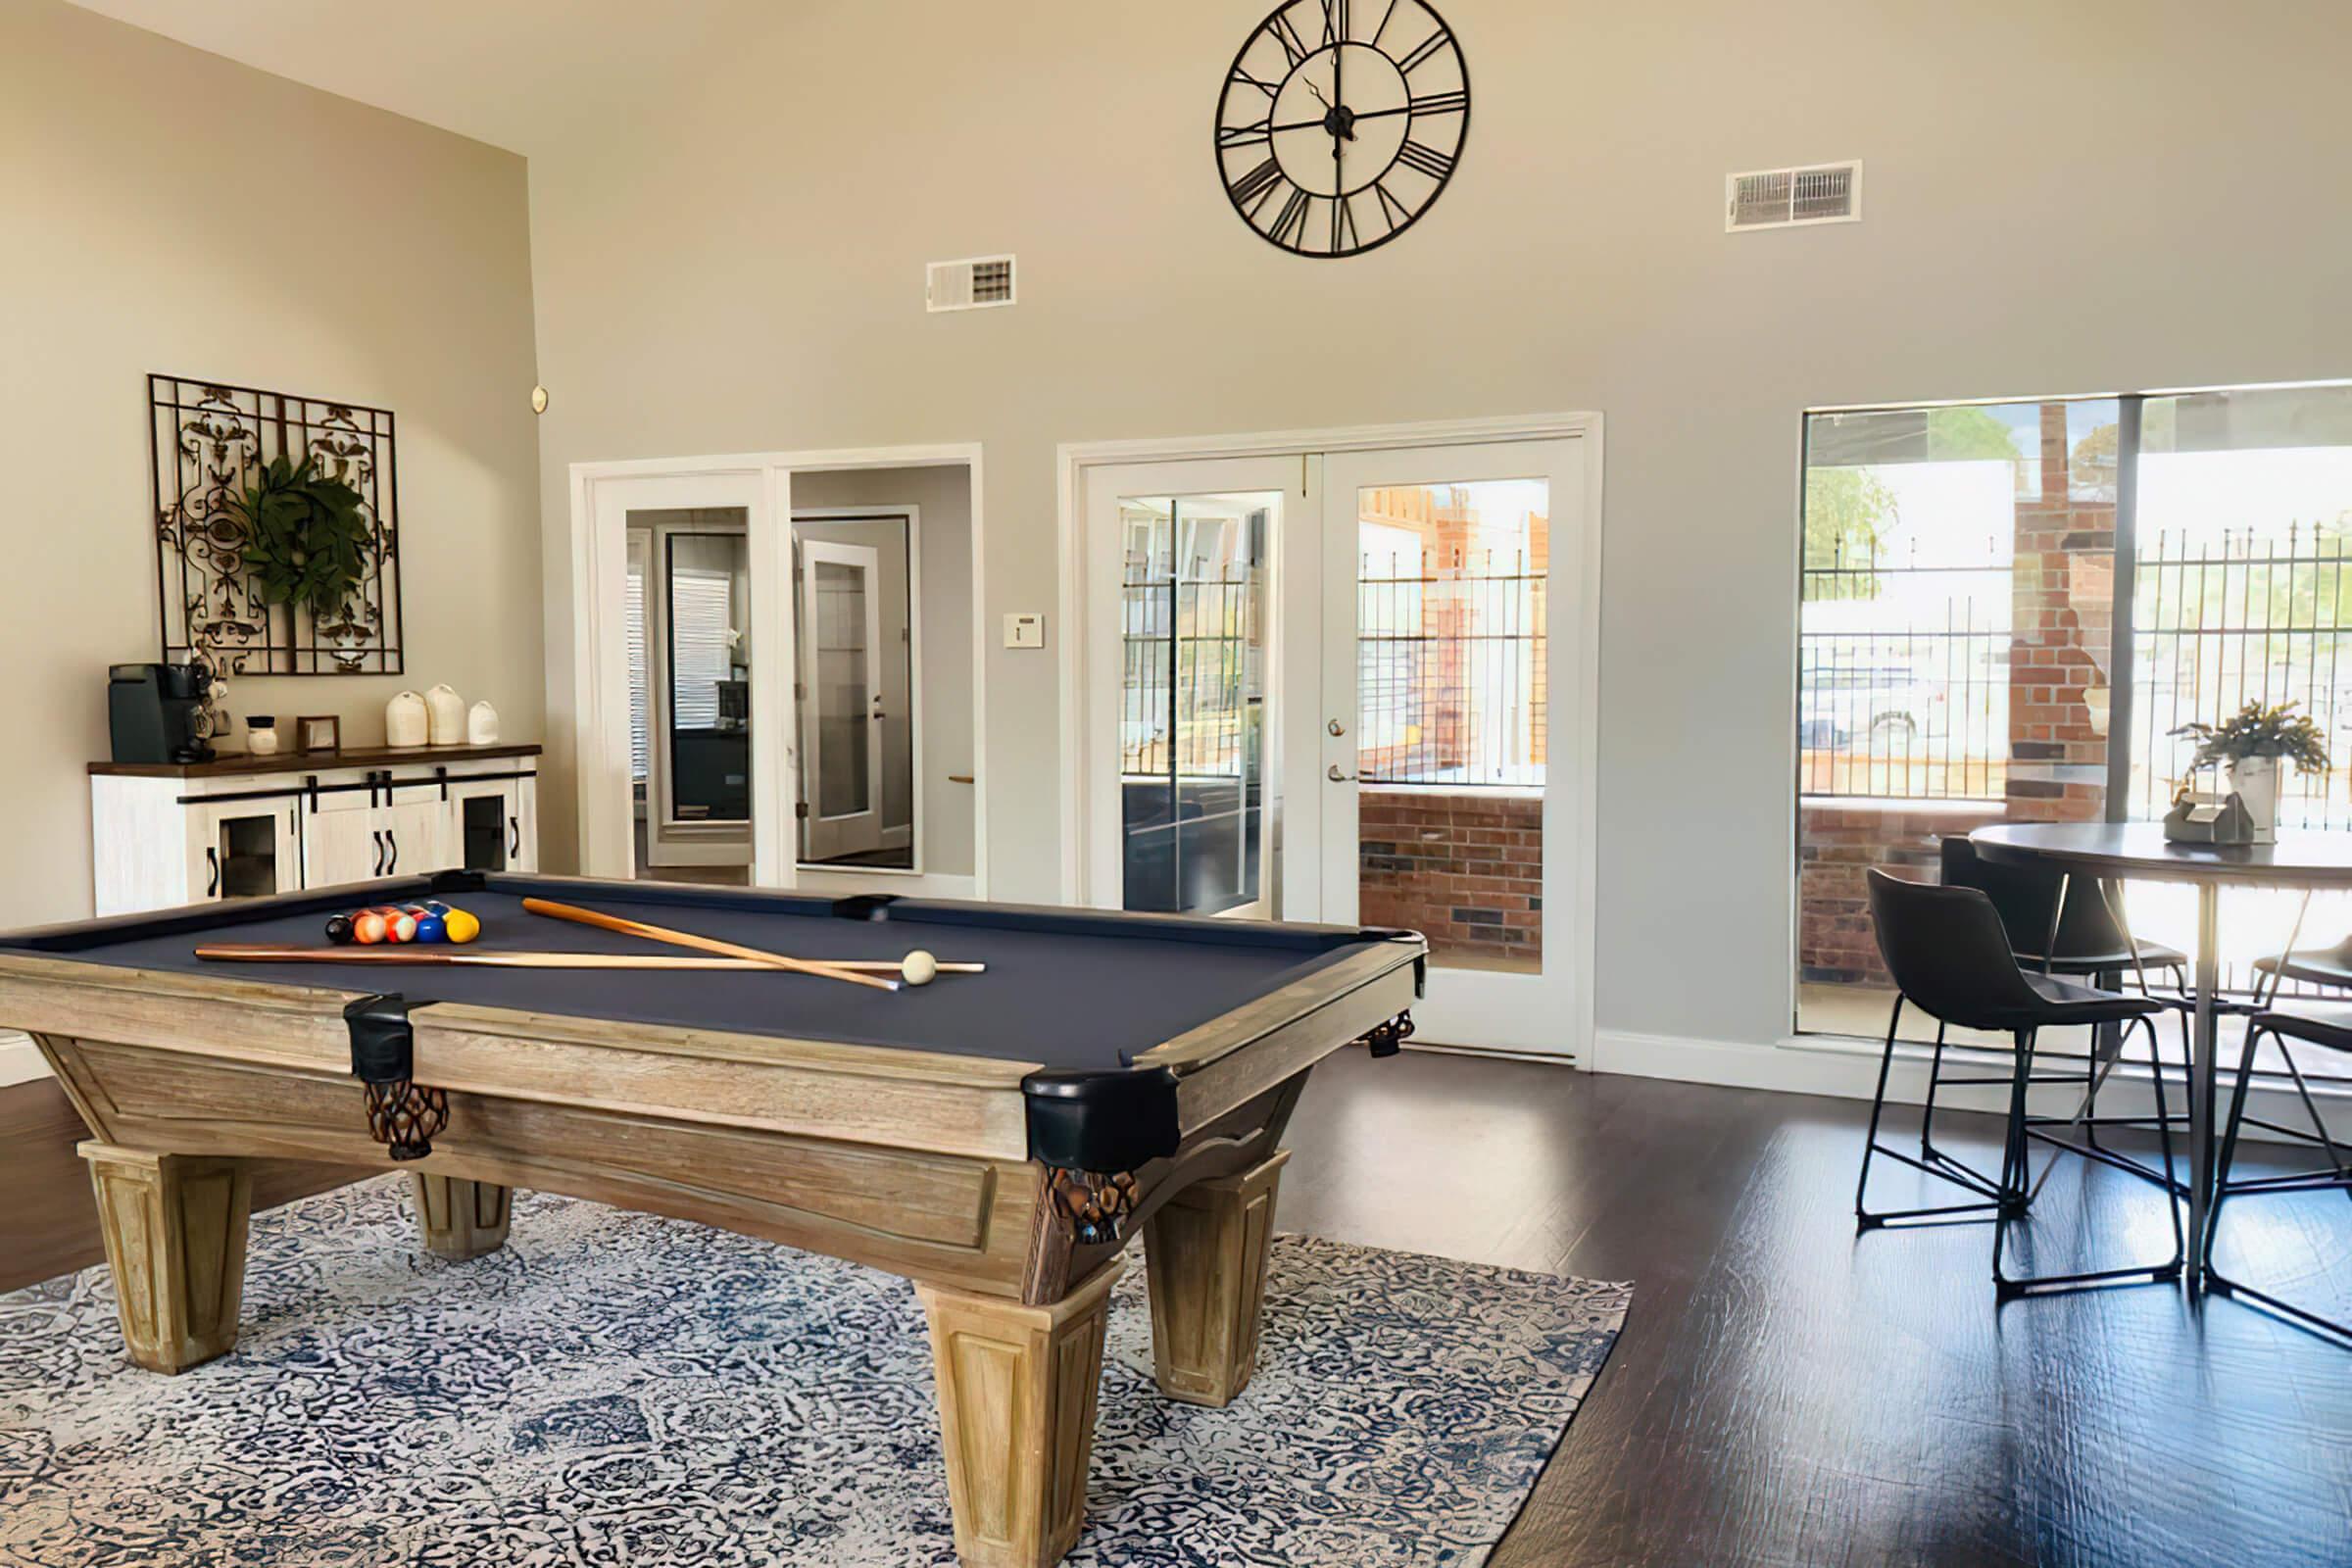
[(20, 1061), (1847, 1068)]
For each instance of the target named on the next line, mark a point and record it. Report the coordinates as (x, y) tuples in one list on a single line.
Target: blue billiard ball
[(430, 928)]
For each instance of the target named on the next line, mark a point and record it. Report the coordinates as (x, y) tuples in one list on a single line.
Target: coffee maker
[(155, 712)]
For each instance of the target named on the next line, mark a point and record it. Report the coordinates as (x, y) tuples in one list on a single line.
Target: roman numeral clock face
[(1341, 122)]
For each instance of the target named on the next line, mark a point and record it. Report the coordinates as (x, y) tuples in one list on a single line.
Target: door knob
[(1338, 776), (1336, 727)]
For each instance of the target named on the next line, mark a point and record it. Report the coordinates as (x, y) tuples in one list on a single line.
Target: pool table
[(998, 1138)]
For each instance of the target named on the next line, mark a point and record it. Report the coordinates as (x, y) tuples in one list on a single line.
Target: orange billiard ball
[(368, 926)]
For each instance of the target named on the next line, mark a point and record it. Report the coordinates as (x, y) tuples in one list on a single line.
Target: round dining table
[(2139, 852)]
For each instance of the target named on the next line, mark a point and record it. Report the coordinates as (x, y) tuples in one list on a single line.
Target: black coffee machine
[(153, 713)]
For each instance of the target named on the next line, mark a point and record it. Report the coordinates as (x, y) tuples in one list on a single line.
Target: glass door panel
[(688, 605), (842, 710), (1192, 702)]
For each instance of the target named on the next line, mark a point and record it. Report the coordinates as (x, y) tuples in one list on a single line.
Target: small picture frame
[(319, 733)]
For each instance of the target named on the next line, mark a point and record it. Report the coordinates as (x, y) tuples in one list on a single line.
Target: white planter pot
[(2256, 781)]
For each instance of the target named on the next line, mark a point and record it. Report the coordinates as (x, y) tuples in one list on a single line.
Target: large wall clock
[(1341, 122)]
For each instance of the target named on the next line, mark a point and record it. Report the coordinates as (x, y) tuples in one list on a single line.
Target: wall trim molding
[(1846, 1067), (20, 1061)]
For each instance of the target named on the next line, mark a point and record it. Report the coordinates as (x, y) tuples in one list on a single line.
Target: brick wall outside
[(1465, 868), (1838, 842), (2061, 622)]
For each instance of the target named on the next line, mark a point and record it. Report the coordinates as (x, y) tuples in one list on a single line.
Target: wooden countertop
[(234, 763)]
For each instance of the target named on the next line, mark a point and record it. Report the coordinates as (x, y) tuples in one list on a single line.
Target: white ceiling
[(516, 73)]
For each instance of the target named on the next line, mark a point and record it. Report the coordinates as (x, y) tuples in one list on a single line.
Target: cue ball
[(918, 969)]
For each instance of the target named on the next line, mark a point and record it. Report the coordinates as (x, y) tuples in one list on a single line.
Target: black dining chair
[(2330, 1028), (1949, 957), (2318, 966), (2066, 925)]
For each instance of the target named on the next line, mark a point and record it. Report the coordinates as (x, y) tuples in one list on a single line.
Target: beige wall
[(164, 210), (2111, 193)]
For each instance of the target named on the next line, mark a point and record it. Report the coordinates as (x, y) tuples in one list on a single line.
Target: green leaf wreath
[(2257, 730), (306, 538)]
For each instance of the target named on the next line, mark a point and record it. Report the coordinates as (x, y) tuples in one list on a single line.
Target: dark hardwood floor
[(1785, 1393)]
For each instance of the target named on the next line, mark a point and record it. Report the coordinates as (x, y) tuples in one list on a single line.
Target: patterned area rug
[(615, 1389)]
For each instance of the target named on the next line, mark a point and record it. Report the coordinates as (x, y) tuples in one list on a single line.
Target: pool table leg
[(174, 1228), (1017, 1418), (460, 1219), (1206, 1252)]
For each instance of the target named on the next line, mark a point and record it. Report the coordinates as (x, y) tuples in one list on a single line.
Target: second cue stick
[(687, 939)]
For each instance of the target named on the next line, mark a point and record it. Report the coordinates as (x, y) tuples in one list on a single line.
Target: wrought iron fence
[(1450, 681), (1918, 712), (2218, 622), (1192, 683)]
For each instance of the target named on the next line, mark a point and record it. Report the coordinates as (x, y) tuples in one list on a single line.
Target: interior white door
[(840, 698), (1182, 784), (1449, 761)]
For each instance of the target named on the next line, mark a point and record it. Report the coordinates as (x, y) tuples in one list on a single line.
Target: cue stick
[(436, 953), (687, 939)]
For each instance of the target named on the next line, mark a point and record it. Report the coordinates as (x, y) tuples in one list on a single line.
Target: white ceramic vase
[(444, 716), (404, 720), (2256, 781), (481, 724)]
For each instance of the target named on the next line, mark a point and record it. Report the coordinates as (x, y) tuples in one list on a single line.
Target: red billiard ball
[(400, 926)]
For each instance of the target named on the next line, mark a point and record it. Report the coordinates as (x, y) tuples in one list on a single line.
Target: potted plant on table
[(2249, 745)]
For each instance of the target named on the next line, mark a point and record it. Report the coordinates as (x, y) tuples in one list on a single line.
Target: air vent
[(1786, 198), (973, 283)]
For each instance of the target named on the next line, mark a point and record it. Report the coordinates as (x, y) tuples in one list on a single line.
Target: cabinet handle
[(211, 857), (378, 834), (392, 865), (514, 836)]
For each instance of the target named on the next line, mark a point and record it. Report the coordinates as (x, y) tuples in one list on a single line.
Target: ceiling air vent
[(1784, 198), (971, 284)]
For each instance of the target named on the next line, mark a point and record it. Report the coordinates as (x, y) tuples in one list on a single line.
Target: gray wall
[(2060, 198), (164, 210)]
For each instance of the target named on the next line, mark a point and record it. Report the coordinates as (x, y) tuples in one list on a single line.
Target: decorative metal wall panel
[(207, 439)]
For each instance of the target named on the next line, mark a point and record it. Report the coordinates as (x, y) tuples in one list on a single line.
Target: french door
[(1450, 765), (1350, 688), (840, 697)]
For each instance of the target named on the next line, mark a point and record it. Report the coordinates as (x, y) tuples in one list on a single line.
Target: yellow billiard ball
[(458, 925), (918, 969)]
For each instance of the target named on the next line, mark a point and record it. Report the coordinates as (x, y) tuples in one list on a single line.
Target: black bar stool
[(1951, 958), (2332, 1029)]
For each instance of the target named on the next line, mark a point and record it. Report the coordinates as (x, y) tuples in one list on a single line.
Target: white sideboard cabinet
[(171, 834)]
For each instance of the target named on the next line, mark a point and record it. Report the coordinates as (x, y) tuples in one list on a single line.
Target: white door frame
[(600, 657), (1301, 813)]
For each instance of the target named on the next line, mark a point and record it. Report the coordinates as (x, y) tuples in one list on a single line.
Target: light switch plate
[(1025, 628)]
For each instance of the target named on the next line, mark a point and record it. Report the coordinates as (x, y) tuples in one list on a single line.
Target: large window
[(2009, 608)]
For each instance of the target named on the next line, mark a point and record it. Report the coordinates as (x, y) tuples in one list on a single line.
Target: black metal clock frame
[(1254, 190)]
